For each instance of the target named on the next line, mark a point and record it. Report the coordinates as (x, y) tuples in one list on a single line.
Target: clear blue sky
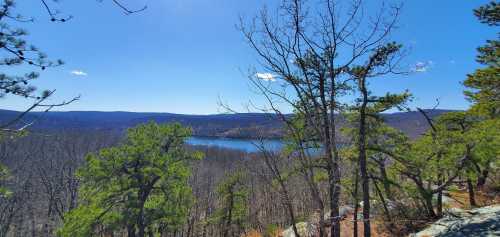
[(179, 56)]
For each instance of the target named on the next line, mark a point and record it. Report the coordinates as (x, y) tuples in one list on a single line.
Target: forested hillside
[(245, 125)]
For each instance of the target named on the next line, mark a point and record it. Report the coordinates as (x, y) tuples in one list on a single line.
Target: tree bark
[(356, 206), (362, 159), (229, 217), (440, 197), (130, 231), (472, 198), (291, 213), (481, 180)]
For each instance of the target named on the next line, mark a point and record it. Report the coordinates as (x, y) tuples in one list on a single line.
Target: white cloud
[(79, 73), (266, 76), (422, 66)]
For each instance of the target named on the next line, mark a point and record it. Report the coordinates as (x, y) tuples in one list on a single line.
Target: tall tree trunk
[(334, 205), (335, 182), (472, 198), (228, 223), (331, 156), (365, 182), (440, 197), (141, 225), (356, 205), (439, 205)]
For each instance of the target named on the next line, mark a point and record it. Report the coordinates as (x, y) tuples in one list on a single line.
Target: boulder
[(343, 212), (305, 229)]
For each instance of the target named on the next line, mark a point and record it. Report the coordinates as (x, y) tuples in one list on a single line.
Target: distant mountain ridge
[(242, 125)]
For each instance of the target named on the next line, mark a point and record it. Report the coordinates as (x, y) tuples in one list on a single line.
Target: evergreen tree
[(380, 62), (484, 84), (140, 186), (233, 210)]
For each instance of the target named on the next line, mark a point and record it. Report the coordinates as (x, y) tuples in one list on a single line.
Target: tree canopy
[(140, 186)]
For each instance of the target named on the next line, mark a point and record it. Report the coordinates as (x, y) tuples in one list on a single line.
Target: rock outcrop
[(484, 221)]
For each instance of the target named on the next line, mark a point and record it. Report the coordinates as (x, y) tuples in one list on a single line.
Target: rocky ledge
[(484, 221)]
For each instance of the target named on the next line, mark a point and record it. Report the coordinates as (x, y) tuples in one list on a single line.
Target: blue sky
[(180, 56)]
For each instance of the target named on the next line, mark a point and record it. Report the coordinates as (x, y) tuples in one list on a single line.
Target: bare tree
[(311, 51), (274, 163)]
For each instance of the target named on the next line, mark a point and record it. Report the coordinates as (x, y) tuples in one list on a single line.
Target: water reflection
[(248, 145)]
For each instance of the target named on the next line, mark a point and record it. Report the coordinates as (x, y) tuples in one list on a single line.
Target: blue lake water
[(248, 145)]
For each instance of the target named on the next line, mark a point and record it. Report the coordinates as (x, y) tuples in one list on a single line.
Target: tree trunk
[(362, 160), (289, 206), (228, 223), (130, 231), (481, 180), (334, 205), (440, 197), (332, 160), (356, 206), (472, 198), (428, 204), (141, 225)]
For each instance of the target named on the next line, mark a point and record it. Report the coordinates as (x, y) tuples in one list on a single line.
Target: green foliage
[(301, 135), (140, 184), (489, 13), (320, 176), (233, 209), (271, 230), (19, 52), (459, 143), (483, 84), (486, 135)]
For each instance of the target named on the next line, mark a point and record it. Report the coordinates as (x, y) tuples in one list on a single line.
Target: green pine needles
[(139, 188)]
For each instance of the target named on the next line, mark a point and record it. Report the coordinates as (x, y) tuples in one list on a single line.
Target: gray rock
[(305, 229), (479, 222), (343, 211)]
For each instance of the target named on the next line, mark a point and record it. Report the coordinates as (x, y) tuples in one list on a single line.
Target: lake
[(247, 145)]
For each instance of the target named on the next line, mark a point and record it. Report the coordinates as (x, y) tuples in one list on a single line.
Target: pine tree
[(140, 186), (483, 86), (232, 212)]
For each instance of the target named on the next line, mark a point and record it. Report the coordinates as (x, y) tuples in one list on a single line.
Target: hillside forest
[(349, 166)]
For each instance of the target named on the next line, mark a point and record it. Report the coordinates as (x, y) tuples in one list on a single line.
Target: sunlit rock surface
[(481, 222), (305, 229)]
